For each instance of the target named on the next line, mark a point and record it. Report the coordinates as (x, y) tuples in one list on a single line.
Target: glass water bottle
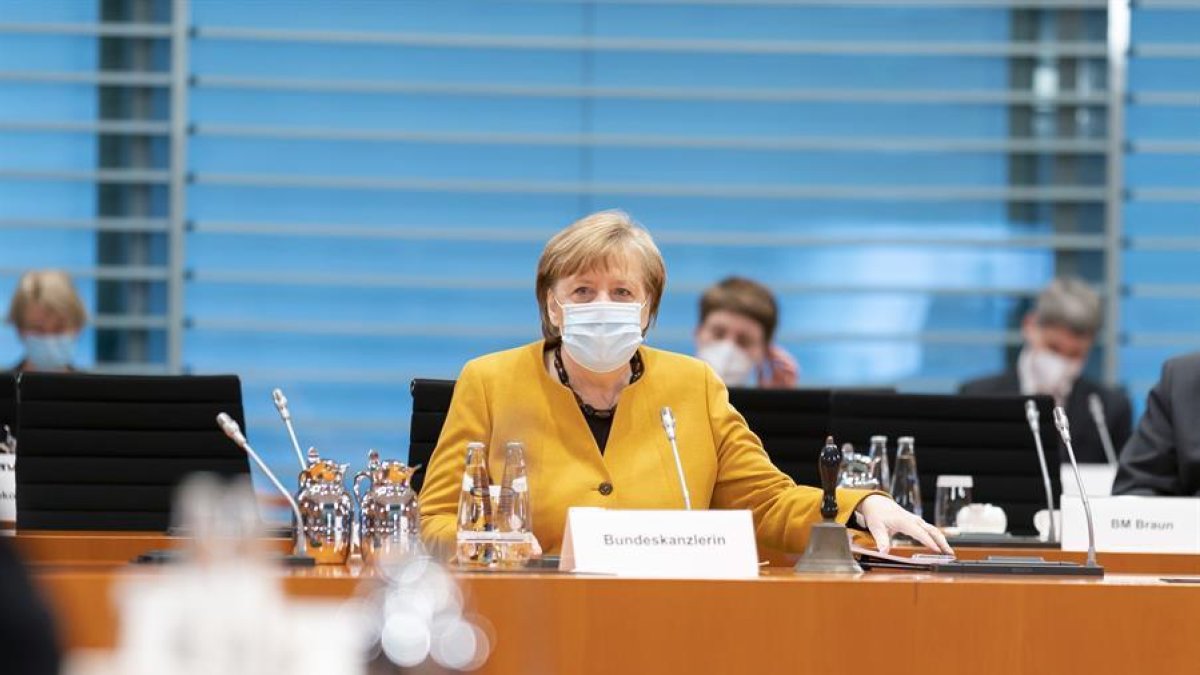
[(879, 460), (514, 519), (476, 526), (906, 486)]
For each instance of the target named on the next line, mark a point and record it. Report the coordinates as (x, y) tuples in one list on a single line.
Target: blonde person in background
[(48, 316), (736, 336), (586, 399)]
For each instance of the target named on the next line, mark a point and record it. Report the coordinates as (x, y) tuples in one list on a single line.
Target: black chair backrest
[(102, 452), (8, 403), (431, 402), (986, 437), (792, 425)]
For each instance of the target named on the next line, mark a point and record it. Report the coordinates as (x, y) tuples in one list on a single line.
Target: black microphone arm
[(1034, 416), (1064, 430), (668, 422), (1096, 407), (234, 432)]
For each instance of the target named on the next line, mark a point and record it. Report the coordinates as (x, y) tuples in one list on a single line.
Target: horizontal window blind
[(336, 197), (1162, 208)]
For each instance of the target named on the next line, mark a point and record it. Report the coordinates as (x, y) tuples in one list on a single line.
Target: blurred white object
[(8, 488), (982, 519), (1097, 479), (420, 616), (1041, 522), (222, 609), (8, 476)]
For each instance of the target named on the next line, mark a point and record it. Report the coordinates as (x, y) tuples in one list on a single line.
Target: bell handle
[(357, 477)]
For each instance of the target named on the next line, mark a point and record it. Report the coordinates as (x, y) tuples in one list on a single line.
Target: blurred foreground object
[(28, 645), (415, 613), (222, 608)]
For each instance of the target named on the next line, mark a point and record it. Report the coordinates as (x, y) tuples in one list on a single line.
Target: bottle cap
[(906, 440), (879, 439), (955, 482)]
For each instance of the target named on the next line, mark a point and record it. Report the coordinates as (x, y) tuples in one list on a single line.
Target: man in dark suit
[(1059, 333), (1163, 455)]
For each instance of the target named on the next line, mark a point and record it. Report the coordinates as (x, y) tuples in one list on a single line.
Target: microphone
[(1096, 406), (668, 422), (1034, 416), (234, 432), (1064, 430), (282, 406)]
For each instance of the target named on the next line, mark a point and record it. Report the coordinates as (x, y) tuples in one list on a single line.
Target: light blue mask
[(50, 352)]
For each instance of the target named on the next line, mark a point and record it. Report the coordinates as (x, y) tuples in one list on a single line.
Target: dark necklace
[(636, 369)]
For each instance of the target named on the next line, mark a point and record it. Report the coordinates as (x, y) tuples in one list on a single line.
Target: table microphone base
[(828, 551)]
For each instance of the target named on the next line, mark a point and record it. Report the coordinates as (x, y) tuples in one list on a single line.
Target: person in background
[(48, 315), (586, 399), (1162, 458), (736, 336), (1059, 334)]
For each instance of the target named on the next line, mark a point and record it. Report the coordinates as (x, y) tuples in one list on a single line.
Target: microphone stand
[(234, 432), (668, 422), (1033, 416), (1064, 430), (1096, 406), (281, 404)]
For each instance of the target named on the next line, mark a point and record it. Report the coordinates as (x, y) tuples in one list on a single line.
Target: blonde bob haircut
[(54, 290), (602, 241)]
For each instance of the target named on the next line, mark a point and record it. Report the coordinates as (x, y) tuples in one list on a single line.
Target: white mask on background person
[(732, 364), (601, 336), (1051, 373), (50, 352)]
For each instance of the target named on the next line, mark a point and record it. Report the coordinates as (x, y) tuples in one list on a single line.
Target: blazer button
[(606, 488)]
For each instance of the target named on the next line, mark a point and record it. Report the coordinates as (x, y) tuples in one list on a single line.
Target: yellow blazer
[(510, 396)]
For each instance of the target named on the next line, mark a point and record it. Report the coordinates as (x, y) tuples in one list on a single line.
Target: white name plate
[(1134, 524), (660, 544), (1097, 479), (8, 487)]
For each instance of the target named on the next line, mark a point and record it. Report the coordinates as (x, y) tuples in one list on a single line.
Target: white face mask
[(601, 336), (1051, 373), (733, 365), (50, 352)]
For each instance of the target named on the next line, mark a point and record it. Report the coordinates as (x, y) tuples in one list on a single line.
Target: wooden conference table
[(1129, 621)]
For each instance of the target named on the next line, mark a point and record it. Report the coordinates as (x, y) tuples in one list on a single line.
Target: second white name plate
[(8, 487), (1133, 524), (660, 544)]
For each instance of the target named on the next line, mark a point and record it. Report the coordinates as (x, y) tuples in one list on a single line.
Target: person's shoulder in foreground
[(1162, 456)]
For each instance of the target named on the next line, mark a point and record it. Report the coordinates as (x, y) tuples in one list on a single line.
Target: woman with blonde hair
[(48, 315), (585, 400)]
